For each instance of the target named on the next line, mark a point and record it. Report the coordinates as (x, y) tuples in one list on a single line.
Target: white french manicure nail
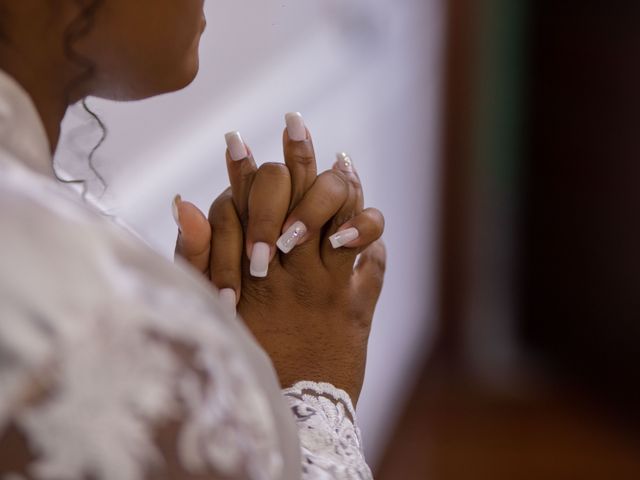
[(228, 298), (291, 237), (340, 239), (237, 148), (174, 210), (295, 126), (344, 162), (259, 265)]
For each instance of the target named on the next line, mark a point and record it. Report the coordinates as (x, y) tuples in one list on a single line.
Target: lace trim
[(329, 436)]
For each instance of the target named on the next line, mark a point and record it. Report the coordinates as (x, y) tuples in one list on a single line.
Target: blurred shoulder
[(147, 371)]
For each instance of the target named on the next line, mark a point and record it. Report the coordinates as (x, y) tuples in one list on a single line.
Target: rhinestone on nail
[(344, 162)]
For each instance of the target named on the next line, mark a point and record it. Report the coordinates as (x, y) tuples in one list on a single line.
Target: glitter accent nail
[(291, 237)]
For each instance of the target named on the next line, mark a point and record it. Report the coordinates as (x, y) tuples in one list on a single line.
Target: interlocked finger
[(304, 225), (225, 262), (339, 250), (268, 205), (299, 157)]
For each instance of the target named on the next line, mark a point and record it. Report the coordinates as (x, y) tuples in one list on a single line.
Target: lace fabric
[(330, 440)]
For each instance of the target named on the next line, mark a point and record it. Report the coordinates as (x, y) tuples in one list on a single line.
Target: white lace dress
[(116, 364)]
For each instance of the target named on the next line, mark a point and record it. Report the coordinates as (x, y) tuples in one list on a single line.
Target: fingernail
[(174, 210), (237, 148), (340, 239), (344, 163), (259, 265), (291, 237), (295, 126), (228, 298)]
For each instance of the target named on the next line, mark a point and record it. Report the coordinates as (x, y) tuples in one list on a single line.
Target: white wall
[(366, 74)]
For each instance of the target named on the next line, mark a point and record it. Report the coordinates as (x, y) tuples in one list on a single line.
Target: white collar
[(22, 133)]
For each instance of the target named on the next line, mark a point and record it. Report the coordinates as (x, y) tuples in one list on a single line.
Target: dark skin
[(312, 313), (138, 49)]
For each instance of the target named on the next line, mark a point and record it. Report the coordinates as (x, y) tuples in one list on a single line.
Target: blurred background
[(501, 138)]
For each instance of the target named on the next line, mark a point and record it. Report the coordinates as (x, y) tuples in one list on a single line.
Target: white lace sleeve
[(329, 436)]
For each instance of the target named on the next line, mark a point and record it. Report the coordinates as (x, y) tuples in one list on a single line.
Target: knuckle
[(343, 217), (302, 155), (224, 228), (265, 220), (377, 230), (334, 183), (378, 278), (222, 202), (377, 220), (329, 201), (378, 256), (224, 221), (223, 210), (246, 174), (379, 214), (354, 182), (346, 213), (381, 269), (224, 274), (273, 169), (336, 177)]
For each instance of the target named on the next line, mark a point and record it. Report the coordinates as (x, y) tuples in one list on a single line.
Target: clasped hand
[(297, 254)]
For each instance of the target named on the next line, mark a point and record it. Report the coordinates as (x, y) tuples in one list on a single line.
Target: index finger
[(299, 156)]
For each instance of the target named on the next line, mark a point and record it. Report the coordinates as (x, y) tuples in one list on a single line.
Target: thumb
[(194, 236)]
